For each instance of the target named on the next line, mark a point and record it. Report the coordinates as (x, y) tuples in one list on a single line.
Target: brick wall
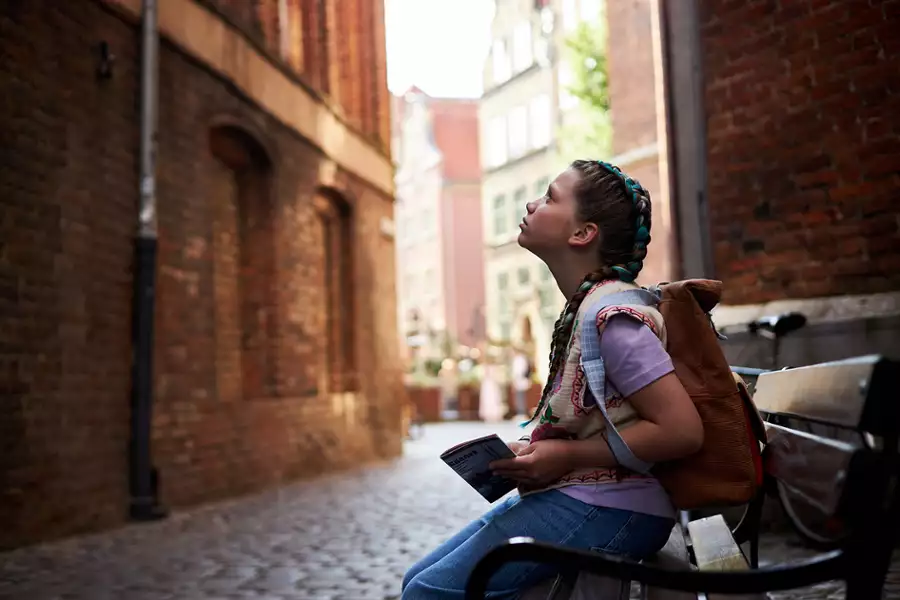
[(336, 45), (634, 113), (630, 65), (802, 101), (67, 217)]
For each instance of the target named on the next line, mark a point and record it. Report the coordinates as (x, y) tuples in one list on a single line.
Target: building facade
[(517, 118), (440, 266), (771, 159), (785, 149), (275, 318), (525, 108)]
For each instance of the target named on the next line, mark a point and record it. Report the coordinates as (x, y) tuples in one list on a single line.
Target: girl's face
[(551, 221)]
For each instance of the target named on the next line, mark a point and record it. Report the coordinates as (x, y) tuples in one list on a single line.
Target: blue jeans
[(547, 517)]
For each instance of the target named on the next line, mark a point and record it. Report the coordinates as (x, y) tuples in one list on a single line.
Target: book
[(470, 460)]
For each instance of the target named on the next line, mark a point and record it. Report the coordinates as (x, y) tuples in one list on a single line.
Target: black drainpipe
[(143, 482)]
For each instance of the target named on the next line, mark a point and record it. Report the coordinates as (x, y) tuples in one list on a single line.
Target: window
[(500, 61), (569, 16), (505, 331), (246, 266), (523, 53), (503, 305), (547, 297), (502, 281), (524, 275), (540, 188), (541, 121), (428, 221), (566, 79), (546, 275), (499, 215), (518, 131), (518, 205), (497, 143), (338, 284)]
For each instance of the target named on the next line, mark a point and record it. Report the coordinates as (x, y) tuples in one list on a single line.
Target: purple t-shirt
[(634, 358)]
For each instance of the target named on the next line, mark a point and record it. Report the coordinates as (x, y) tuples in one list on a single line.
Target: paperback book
[(470, 460)]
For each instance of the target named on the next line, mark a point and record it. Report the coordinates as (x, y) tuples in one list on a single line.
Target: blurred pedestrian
[(521, 382)]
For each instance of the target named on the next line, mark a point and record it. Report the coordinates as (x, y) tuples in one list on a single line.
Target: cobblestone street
[(347, 536)]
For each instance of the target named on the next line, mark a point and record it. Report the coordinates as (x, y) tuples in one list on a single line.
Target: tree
[(586, 131)]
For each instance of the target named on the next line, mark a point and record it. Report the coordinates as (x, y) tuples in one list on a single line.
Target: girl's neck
[(570, 271)]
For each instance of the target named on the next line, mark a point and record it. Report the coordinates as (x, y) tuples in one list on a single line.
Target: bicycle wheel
[(817, 530)]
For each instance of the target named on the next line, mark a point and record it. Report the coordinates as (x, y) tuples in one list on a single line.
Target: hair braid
[(642, 230), (621, 207), (562, 329)]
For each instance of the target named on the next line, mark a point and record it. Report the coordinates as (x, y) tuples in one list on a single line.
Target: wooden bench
[(832, 460)]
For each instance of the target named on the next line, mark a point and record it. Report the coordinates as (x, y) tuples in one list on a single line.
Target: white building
[(519, 113)]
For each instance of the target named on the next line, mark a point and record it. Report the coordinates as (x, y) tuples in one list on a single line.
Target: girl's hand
[(517, 446), (537, 464)]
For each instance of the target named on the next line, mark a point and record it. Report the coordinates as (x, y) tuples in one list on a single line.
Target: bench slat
[(832, 392), (811, 466), (716, 550)]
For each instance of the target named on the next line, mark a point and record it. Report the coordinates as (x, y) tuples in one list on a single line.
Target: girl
[(591, 229)]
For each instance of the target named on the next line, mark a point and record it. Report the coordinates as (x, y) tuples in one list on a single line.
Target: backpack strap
[(595, 370)]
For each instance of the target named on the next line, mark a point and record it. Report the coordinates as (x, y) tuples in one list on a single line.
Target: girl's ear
[(585, 234)]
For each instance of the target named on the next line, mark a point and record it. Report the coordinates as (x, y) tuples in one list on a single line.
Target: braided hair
[(620, 208)]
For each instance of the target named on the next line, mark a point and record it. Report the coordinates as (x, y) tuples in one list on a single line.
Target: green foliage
[(432, 367), (586, 130)]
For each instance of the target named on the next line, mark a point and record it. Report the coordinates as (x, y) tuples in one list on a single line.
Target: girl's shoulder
[(646, 315), (599, 292)]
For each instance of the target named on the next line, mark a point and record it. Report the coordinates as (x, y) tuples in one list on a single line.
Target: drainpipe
[(683, 51), (144, 502)]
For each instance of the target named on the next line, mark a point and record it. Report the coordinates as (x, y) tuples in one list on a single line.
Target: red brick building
[(778, 126), (275, 353), (440, 246)]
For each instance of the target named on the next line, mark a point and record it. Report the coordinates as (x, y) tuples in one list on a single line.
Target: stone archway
[(527, 333)]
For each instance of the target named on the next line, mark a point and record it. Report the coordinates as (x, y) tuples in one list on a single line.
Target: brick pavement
[(348, 536)]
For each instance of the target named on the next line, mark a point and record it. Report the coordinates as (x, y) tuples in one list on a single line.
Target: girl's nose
[(530, 207)]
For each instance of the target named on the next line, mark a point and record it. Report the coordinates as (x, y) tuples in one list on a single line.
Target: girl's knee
[(414, 588), (408, 577)]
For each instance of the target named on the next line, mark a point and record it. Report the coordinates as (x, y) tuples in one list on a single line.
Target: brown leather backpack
[(728, 468)]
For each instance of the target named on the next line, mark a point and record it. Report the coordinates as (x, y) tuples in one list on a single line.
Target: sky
[(437, 45)]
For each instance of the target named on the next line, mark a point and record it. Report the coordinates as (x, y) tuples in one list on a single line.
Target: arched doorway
[(527, 333)]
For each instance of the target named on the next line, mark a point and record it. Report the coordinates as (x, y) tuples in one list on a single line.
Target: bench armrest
[(799, 574)]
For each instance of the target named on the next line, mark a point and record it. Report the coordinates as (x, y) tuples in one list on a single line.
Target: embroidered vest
[(569, 412)]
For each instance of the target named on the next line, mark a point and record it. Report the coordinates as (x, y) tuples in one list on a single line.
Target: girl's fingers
[(518, 475), (504, 463)]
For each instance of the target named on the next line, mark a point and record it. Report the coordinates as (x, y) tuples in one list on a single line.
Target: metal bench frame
[(858, 394)]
